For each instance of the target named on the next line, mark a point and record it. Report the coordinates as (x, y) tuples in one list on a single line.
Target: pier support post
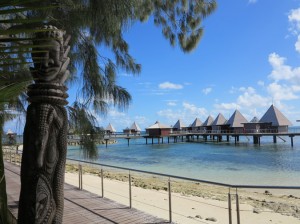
[(146, 141), (106, 140), (128, 141), (274, 139), (168, 140), (220, 138), (292, 140), (227, 138), (152, 141)]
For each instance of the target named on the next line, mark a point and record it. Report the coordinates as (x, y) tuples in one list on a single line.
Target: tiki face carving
[(47, 62), (50, 56)]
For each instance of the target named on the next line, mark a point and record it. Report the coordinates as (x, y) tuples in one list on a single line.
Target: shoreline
[(254, 204)]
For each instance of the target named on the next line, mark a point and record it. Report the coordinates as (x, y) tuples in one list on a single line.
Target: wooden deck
[(80, 206)]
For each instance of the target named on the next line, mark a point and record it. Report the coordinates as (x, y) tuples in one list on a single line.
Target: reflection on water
[(268, 164)]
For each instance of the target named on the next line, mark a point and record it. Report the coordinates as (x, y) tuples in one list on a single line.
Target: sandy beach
[(191, 202)]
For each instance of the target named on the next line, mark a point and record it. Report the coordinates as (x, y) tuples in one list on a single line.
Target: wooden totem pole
[(45, 133)]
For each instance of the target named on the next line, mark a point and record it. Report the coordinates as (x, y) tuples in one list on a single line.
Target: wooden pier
[(218, 137), (80, 206)]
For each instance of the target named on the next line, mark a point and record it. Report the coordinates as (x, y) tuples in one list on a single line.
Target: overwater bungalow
[(252, 126), (219, 124), (206, 126), (236, 122), (127, 131), (179, 126), (135, 129), (196, 125), (110, 129), (274, 121), (158, 130)]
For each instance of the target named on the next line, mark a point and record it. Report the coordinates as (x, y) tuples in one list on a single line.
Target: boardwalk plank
[(81, 206)]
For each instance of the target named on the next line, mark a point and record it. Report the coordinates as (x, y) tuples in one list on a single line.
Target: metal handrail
[(190, 179), (230, 186)]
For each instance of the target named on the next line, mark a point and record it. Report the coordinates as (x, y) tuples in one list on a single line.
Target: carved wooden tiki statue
[(45, 142)]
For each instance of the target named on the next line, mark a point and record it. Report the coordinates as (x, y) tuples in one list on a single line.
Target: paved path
[(80, 206)]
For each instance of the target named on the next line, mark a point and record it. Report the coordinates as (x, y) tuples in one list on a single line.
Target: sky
[(247, 59)]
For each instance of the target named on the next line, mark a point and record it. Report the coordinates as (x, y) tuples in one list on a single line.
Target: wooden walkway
[(80, 206)]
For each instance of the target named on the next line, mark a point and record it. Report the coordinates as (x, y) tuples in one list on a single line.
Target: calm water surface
[(268, 164)]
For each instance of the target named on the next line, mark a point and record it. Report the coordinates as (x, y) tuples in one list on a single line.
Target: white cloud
[(172, 104), (193, 110), (294, 19), (207, 90), (282, 92), (187, 114), (261, 83), (227, 106), (250, 98), (280, 70), (297, 44), (169, 85), (252, 1)]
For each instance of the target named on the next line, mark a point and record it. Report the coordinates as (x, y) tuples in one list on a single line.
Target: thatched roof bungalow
[(195, 126), (219, 124), (274, 121), (158, 130), (206, 125), (236, 122), (110, 129), (135, 128), (179, 126), (252, 126)]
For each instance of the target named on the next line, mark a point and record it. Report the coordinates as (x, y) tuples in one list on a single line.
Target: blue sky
[(247, 59)]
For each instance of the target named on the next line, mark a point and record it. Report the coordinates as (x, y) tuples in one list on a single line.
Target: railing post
[(102, 184), (130, 197), (10, 159), (237, 207), (229, 207), (80, 176), (170, 200)]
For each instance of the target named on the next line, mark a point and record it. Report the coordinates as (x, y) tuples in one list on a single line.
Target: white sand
[(185, 209)]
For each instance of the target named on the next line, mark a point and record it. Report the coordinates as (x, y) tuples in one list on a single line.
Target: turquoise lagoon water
[(245, 163)]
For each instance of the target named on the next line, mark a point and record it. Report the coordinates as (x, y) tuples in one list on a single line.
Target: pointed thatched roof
[(179, 124), (135, 127), (197, 123), (9, 132), (209, 120), (274, 116), (254, 120), (158, 125), (110, 128), (236, 120), (220, 120)]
